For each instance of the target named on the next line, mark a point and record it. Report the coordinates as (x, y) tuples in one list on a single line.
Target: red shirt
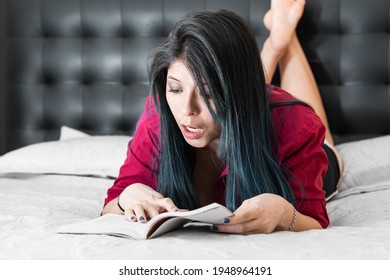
[(300, 134)]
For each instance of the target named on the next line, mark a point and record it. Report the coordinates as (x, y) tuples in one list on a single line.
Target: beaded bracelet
[(294, 220), (119, 206)]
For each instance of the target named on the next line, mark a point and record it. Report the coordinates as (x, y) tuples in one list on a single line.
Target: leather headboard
[(82, 63)]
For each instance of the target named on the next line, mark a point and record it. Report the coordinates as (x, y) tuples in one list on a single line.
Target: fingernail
[(214, 228), (226, 221), (132, 218), (177, 210), (141, 219)]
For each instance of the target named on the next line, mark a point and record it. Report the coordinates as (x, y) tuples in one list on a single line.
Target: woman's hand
[(141, 202), (264, 213)]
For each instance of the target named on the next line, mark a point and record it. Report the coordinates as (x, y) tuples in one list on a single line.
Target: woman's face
[(189, 109)]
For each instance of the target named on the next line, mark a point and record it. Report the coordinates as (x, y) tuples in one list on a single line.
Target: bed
[(49, 184), (73, 86)]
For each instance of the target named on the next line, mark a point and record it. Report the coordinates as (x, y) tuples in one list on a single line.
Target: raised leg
[(282, 48)]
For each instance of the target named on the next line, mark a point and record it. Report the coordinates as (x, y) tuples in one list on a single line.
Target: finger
[(151, 211), (252, 226), (246, 223), (167, 204), (140, 213), (241, 215), (130, 215)]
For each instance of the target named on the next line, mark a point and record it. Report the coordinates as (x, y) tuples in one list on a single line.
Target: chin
[(196, 143)]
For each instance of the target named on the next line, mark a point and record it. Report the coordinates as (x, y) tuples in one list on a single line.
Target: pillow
[(100, 156), (71, 133), (366, 165)]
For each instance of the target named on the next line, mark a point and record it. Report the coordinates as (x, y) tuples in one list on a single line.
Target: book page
[(166, 225), (210, 214), (109, 224), (213, 214)]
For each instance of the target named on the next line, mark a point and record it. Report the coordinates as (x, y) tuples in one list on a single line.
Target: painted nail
[(214, 228), (132, 218), (226, 221), (141, 218)]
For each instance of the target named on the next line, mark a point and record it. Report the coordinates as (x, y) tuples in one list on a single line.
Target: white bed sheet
[(34, 206)]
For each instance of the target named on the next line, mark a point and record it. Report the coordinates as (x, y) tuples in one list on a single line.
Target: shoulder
[(148, 125), (150, 115)]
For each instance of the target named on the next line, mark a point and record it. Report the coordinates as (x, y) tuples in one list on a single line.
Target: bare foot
[(281, 20)]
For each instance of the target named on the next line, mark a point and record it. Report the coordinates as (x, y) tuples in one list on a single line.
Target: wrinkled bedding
[(34, 206)]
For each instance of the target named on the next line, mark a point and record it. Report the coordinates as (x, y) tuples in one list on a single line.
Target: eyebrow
[(173, 78)]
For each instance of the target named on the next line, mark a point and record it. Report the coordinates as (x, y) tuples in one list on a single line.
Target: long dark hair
[(222, 54)]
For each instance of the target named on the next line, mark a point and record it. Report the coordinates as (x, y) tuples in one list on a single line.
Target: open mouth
[(191, 129), (192, 132)]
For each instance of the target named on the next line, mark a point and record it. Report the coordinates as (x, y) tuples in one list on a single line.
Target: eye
[(174, 90)]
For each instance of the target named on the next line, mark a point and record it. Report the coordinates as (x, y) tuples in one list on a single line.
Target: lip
[(191, 132)]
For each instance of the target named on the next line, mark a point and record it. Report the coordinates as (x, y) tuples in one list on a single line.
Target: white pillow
[(366, 165), (92, 156), (71, 133)]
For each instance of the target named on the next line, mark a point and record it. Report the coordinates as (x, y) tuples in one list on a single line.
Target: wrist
[(293, 220), (118, 204), (288, 218)]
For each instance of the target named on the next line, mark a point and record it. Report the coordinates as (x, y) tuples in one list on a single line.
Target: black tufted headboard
[(82, 63)]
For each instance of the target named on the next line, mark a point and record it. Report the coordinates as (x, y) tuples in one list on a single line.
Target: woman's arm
[(140, 165), (112, 207), (300, 136)]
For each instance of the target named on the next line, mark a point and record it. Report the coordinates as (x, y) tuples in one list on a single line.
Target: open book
[(117, 225)]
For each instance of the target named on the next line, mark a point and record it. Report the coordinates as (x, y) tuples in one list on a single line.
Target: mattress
[(37, 200)]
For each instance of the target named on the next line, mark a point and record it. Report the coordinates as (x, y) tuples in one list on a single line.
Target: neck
[(208, 157), (207, 171)]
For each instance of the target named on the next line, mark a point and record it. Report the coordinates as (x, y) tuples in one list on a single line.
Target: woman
[(215, 132)]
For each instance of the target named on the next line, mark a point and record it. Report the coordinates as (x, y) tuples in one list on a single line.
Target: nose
[(191, 105)]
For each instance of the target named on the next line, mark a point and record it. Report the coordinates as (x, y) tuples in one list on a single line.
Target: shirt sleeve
[(307, 172), (141, 164), (303, 155)]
